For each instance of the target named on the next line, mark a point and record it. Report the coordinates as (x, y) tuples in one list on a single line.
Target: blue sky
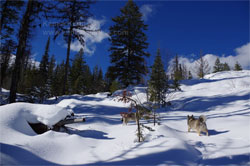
[(177, 27)]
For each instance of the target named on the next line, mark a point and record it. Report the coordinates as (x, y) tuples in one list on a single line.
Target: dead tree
[(126, 97)]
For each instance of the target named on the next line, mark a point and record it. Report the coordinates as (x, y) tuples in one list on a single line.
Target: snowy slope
[(102, 140)]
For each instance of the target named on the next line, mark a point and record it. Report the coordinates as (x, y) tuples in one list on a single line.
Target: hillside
[(102, 140)]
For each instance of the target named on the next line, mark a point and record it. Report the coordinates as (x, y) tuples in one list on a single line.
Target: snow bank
[(4, 94)]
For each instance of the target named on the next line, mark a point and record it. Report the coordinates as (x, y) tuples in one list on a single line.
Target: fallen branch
[(70, 121), (66, 121)]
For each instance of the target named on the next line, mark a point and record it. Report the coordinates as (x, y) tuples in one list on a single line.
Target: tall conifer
[(158, 83), (218, 66), (176, 75), (76, 73), (128, 44), (44, 64)]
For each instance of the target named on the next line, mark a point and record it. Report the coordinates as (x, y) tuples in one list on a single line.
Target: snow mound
[(22, 113), (68, 103)]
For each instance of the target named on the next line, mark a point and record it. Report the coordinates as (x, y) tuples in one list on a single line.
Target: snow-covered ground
[(102, 140)]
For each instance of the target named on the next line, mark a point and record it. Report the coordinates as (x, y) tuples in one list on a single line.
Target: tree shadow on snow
[(197, 81), (243, 159), (169, 157), (214, 132), (108, 120), (176, 157), (99, 109), (95, 134), (14, 155), (203, 104), (74, 97)]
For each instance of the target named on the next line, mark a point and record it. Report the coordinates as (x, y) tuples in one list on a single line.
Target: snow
[(102, 140)]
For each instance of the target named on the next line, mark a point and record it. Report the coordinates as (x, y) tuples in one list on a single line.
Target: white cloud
[(91, 38), (146, 11), (31, 60), (242, 56)]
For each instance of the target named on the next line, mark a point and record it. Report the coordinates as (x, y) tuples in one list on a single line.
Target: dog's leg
[(207, 133), (189, 129), (199, 133), (124, 121)]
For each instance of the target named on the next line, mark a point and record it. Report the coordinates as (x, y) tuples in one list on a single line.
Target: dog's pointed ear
[(187, 116)]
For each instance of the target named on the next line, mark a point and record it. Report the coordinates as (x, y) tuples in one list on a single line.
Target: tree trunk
[(2, 16), (138, 126), (154, 118), (67, 60), (70, 121), (23, 35)]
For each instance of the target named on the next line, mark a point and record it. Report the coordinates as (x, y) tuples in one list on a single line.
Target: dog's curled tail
[(202, 118)]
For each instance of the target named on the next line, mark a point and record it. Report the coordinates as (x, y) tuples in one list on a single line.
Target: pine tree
[(226, 67), (95, 79), (29, 78), (237, 66), (202, 66), (9, 17), (218, 66), (88, 83), (98, 83), (176, 69), (30, 15), (7, 49), (57, 83), (71, 19), (176, 75), (44, 64), (30, 84), (51, 72), (114, 86), (76, 73), (128, 44), (51, 67), (9, 14), (158, 83), (43, 89), (109, 78), (101, 82), (27, 64), (190, 76)]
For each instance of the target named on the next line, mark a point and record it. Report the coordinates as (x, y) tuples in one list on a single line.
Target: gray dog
[(199, 125)]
